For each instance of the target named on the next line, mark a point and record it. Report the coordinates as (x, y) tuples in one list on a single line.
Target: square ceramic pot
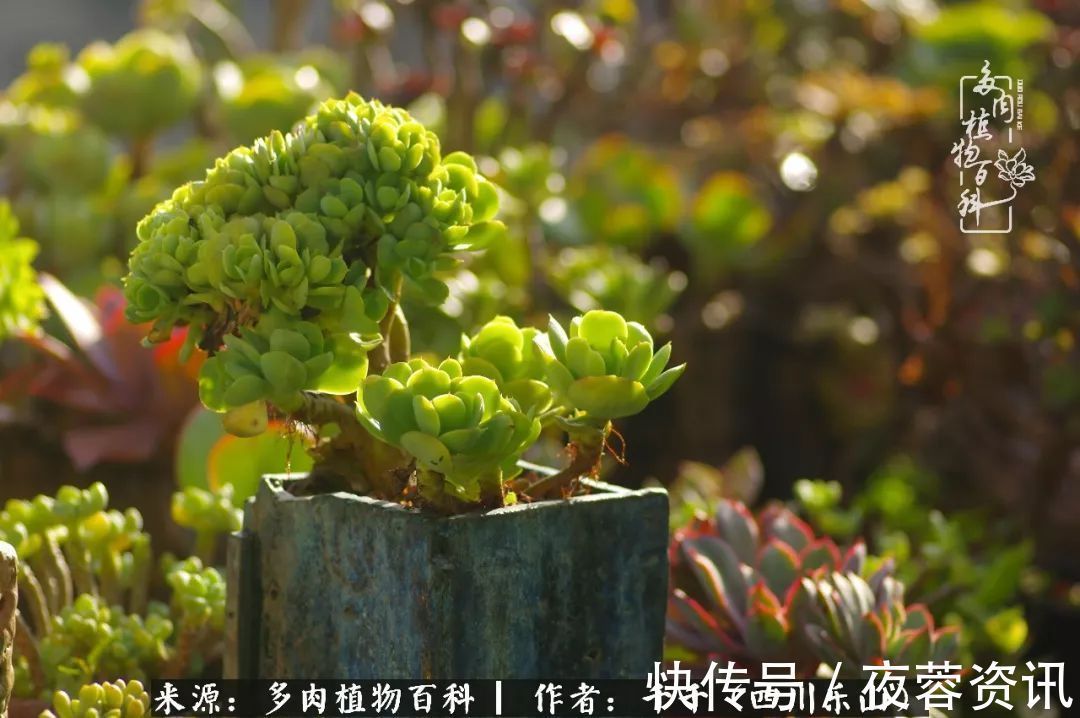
[(345, 586)]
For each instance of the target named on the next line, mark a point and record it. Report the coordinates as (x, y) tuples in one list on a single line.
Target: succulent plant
[(726, 223), (73, 544), (118, 699), (208, 513), (858, 622), (973, 576), (623, 194), (153, 76), (465, 435), (266, 93), (605, 368), (45, 81), (289, 264), (271, 258), (198, 595), (54, 152), (21, 299), (610, 277), (508, 355), (761, 588), (84, 572), (90, 640)]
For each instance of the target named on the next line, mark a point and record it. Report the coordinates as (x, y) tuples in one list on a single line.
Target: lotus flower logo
[(1014, 170)]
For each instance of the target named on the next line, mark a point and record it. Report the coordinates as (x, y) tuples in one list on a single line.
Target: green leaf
[(637, 362), (208, 458), (285, 372), (429, 451), (348, 369), (212, 384), (427, 418), (557, 338), (600, 328), (583, 360), (656, 366), (663, 382), (247, 420), (245, 390), (290, 342), (608, 397)]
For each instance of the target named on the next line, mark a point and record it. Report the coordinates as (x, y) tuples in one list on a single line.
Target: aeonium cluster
[(288, 263)]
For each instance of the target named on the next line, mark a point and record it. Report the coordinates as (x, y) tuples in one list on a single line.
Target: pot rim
[(272, 486)]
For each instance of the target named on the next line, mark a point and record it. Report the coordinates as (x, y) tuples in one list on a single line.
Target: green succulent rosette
[(279, 359), (507, 354), (287, 257), (464, 433), (46, 80), (594, 277), (266, 93), (605, 368), (22, 302), (116, 699), (146, 81), (623, 194), (55, 153)]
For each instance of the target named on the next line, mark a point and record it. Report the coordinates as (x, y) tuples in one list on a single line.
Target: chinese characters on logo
[(991, 108)]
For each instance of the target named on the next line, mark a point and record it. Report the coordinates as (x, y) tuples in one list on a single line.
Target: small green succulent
[(279, 359), (84, 575), (508, 355), (198, 595), (605, 368), (146, 81), (77, 545), (465, 435), (623, 194), (89, 640), (22, 302), (54, 152), (118, 699), (209, 514)]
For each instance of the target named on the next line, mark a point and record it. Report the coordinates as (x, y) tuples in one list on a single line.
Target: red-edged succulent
[(760, 588), (136, 397)]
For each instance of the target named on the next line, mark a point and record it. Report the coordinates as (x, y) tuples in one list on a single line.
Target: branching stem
[(587, 447)]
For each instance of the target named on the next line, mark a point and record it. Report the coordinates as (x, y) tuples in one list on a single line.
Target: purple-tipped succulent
[(760, 588)]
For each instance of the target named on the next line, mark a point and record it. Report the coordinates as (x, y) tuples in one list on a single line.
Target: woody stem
[(588, 447)]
